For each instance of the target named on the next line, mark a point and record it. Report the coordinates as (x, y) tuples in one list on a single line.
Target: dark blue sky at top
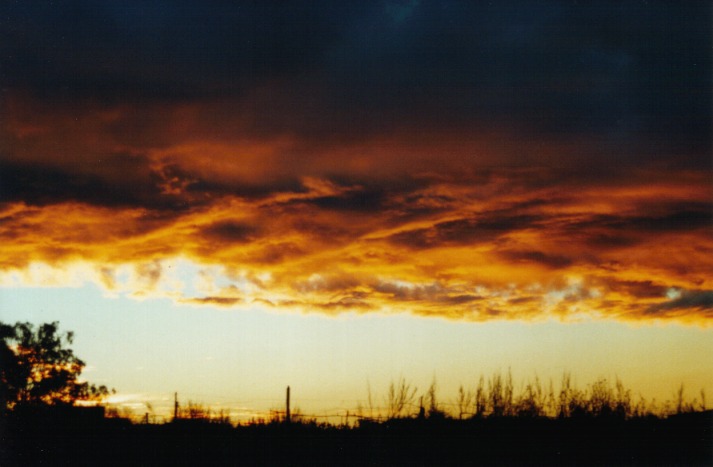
[(630, 72)]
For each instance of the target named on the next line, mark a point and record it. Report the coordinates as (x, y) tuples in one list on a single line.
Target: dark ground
[(67, 440)]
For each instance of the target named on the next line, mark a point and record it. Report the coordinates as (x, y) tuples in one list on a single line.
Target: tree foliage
[(38, 367)]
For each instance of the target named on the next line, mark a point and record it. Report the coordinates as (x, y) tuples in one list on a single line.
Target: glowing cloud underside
[(436, 248)]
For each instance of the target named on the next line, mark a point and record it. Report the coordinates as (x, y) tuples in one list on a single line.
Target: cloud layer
[(522, 160)]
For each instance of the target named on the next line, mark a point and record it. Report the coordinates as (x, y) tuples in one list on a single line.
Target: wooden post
[(175, 406), (287, 409)]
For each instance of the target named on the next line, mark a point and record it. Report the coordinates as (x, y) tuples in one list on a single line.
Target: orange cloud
[(436, 251), (465, 223)]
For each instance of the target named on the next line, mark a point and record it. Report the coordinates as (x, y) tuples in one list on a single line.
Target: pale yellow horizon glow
[(241, 359)]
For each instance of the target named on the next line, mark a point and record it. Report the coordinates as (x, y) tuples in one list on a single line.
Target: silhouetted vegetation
[(497, 397), (401, 395), (73, 440), (38, 368), (200, 412), (494, 422)]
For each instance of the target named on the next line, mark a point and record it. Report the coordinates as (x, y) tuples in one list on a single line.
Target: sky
[(223, 198)]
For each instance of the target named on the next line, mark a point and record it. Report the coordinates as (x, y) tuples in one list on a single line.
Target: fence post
[(287, 404)]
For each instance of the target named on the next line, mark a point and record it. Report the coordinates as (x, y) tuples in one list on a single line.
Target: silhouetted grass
[(494, 422), (499, 397)]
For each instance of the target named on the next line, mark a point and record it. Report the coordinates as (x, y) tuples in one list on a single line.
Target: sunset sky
[(224, 198)]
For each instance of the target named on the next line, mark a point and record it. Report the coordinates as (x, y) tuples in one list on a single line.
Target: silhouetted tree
[(38, 367)]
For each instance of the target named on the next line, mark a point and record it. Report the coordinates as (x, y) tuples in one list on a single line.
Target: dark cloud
[(465, 231), (539, 257), (676, 221), (374, 192), (250, 189), (610, 241), (114, 180), (462, 299), (637, 227), (522, 300), (231, 231), (328, 231), (434, 293), (277, 253), (612, 229), (161, 50), (613, 69), (131, 180), (701, 300), (637, 289), (362, 200), (635, 74)]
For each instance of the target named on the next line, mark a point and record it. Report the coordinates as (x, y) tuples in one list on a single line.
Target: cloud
[(450, 159), (351, 71), (551, 261), (46, 185), (692, 301), (113, 51), (231, 231), (480, 229), (510, 254), (645, 289), (219, 301), (434, 293), (149, 273), (362, 200), (678, 220)]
